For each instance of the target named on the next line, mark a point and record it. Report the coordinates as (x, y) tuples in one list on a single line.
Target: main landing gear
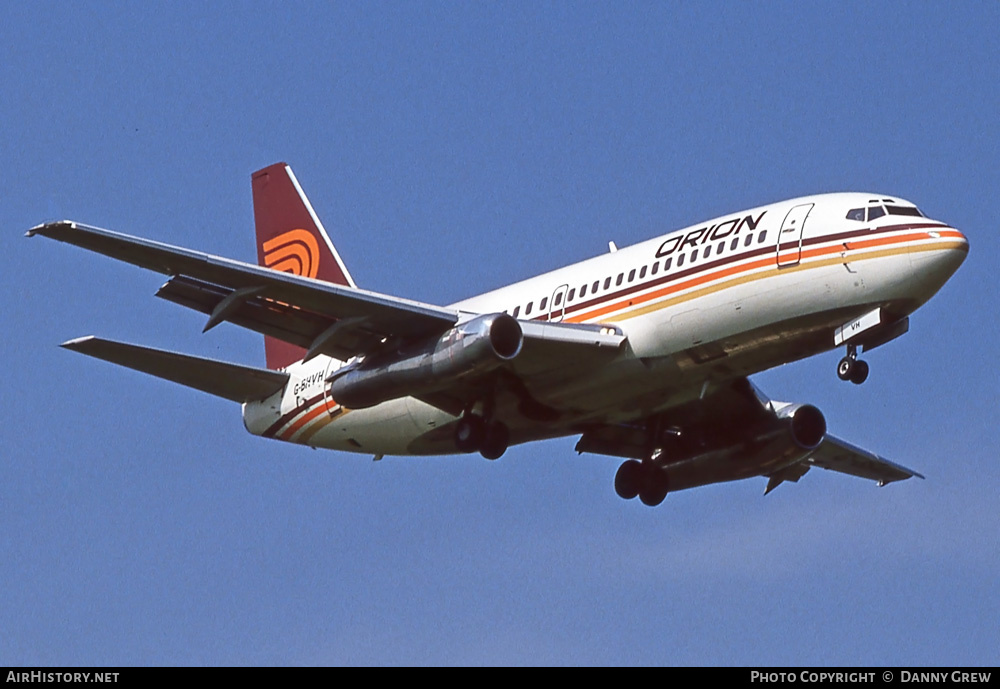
[(647, 479), (851, 368), (473, 433)]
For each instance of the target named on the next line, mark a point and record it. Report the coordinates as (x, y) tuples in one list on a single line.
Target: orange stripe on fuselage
[(315, 428), (325, 406), (767, 262)]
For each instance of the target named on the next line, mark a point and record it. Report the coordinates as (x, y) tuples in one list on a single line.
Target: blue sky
[(451, 148)]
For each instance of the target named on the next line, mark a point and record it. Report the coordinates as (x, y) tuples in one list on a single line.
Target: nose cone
[(936, 259)]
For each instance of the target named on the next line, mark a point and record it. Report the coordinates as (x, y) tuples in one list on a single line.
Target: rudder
[(290, 238)]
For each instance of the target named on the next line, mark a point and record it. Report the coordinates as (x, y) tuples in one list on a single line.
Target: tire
[(859, 373), (845, 368), (654, 489), (628, 479), (495, 442), (469, 432)]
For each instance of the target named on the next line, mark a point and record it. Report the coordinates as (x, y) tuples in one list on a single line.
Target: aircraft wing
[(839, 455), (736, 421), (335, 320), (323, 317)]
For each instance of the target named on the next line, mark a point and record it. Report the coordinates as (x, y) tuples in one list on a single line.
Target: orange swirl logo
[(295, 252)]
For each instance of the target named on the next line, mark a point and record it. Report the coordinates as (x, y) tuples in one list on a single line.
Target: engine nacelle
[(474, 347), (806, 425), (797, 430)]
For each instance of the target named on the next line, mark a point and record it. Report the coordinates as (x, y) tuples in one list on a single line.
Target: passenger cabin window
[(607, 283), (572, 293), (719, 247), (666, 264), (856, 214), (735, 243), (527, 309), (680, 260), (875, 212), (558, 300), (746, 242), (762, 237), (707, 252), (542, 303), (595, 286), (583, 291), (642, 272), (517, 310), (621, 276), (656, 268), (904, 210), (631, 275)]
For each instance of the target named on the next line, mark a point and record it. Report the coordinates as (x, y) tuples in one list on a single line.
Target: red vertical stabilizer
[(291, 238)]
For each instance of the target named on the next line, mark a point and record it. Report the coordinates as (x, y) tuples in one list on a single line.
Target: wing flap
[(835, 454), (286, 322), (222, 379), (628, 442)]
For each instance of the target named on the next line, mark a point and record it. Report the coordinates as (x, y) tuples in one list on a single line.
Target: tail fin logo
[(296, 252)]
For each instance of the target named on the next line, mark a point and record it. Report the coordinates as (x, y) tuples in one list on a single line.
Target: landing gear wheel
[(628, 479), (644, 479), (859, 372), (495, 441), (469, 433), (654, 487), (845, 368)]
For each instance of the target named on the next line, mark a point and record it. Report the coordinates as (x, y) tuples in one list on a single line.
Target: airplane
[(643, 352)]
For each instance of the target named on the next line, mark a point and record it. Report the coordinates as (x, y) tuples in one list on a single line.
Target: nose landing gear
[(851, 368)]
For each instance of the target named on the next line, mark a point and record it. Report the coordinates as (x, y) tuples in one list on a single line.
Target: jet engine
[(757, 441), (474, 347), (805, 423)]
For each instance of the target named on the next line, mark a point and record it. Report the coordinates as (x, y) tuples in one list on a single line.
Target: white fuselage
[(705, 304)]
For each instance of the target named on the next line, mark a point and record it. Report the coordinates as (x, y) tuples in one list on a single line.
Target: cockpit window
[(856, 214), (875, 212), (904, 210)]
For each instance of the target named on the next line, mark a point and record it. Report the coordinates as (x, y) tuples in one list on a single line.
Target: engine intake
[(806, 424), (474, 347)]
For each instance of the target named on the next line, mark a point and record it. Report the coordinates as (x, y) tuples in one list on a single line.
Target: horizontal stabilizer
[(231, 381)]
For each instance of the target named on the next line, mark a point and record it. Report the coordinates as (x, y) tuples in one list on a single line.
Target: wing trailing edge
[(222, 379)]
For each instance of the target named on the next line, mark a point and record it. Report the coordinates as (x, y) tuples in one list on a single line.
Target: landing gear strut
[(469, 433), (851, 368), (473, 433)]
